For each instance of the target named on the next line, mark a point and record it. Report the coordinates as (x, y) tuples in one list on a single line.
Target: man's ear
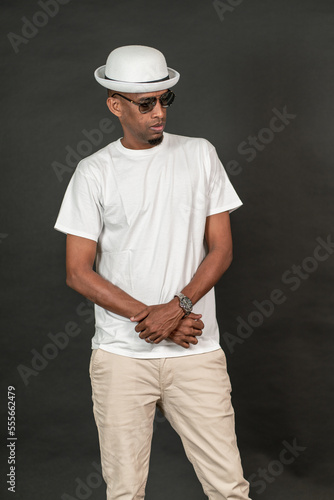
[(114, 106)]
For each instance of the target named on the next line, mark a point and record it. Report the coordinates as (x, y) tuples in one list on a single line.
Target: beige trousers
[(193, 392)]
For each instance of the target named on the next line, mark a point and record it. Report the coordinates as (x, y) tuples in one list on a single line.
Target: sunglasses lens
[(145, 107), (167, 99)]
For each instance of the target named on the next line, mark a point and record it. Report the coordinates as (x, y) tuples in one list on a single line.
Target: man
[(153, 210)]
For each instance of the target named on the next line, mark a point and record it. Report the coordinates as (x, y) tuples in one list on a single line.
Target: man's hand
[(187, 330), (155, 323)]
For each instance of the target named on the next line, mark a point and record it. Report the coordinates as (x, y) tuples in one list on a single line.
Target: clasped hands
[(162, 321)]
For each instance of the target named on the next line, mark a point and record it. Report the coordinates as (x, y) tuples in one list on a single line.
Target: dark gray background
[(234, 72)]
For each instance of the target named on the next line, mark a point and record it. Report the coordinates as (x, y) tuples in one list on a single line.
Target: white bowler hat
[(136, 68)]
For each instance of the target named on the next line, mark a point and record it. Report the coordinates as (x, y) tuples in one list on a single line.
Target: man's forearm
[(104, 293), (208, 274)]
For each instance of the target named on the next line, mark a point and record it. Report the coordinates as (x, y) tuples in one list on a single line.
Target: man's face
[(141, 130)]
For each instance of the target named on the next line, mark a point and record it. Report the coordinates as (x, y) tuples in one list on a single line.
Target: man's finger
[(195, 323), (140, 316), (189, 340), (141, 326), (194, 316), (146, 333), (157, 338), (198, 324), (143, 333)]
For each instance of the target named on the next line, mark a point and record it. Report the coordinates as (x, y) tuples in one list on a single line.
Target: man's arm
[(220, 254), (80, 257), (219, 240)]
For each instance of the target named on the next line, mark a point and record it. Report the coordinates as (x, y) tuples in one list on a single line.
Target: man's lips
[(158, 127)]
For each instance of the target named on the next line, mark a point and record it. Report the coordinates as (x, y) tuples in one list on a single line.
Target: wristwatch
[(185, 303)]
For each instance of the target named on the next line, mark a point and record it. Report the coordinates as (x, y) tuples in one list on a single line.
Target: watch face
[(186, 304)]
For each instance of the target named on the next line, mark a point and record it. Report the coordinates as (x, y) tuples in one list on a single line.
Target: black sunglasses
[(148, 104)]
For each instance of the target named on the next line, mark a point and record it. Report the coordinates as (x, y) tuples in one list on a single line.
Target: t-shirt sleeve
[(222, 196), (81, 211)]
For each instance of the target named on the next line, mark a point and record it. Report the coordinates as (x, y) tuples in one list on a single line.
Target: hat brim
[(130, 87)]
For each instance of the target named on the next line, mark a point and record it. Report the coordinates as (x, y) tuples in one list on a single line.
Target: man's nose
[(158, 110)]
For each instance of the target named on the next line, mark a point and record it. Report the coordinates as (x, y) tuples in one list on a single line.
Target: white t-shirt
[(147, 209)]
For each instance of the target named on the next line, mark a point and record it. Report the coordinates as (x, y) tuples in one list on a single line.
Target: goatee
[(155, 142)]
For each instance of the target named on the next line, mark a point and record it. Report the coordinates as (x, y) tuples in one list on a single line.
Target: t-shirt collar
[(142, 152)]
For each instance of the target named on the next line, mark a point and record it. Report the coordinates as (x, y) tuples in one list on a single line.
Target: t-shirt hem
[(164, 354), (75, 232)]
